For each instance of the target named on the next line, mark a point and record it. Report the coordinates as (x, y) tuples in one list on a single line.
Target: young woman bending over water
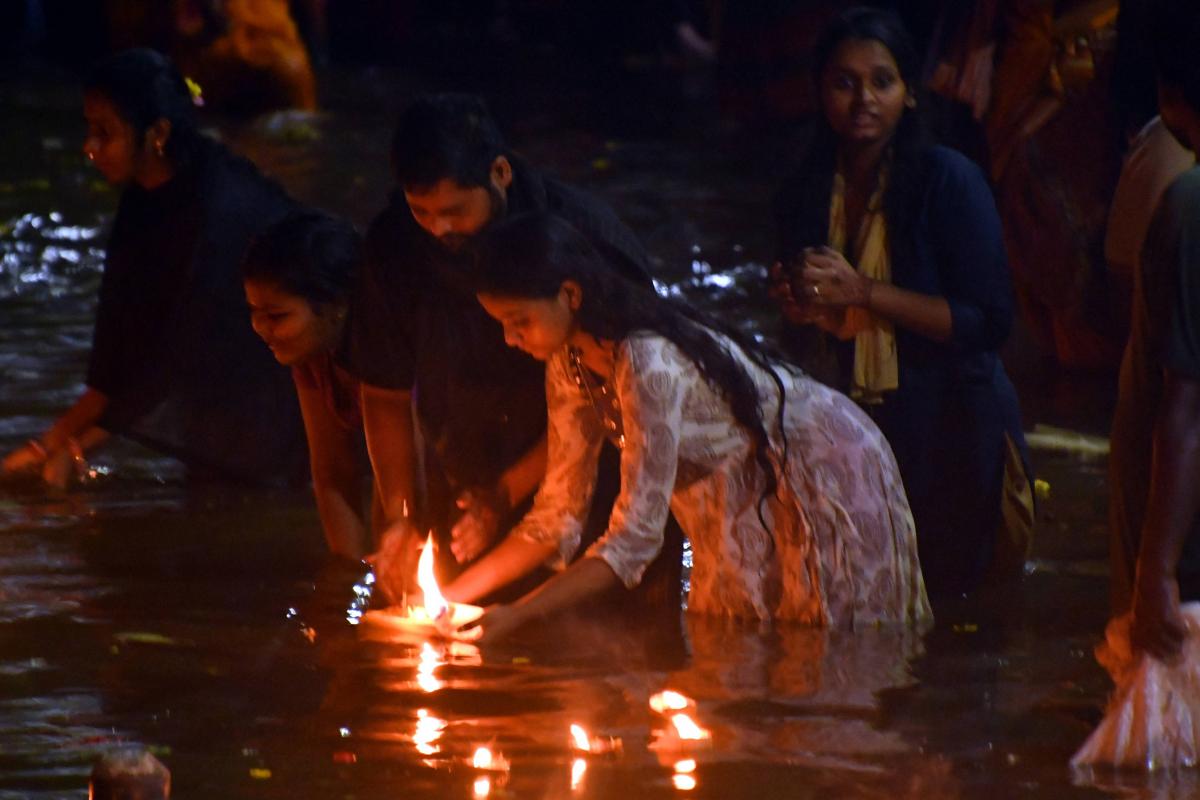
[(894, 266), (174, 363), (788, 492), (298, 275)]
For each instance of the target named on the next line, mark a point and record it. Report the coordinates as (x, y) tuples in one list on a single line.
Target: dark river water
[(203, 622)]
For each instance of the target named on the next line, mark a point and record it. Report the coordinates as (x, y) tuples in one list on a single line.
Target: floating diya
[(582, 742), (683, 733), (437, 616)]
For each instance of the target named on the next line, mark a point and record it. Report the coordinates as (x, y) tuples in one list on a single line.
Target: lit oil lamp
[(494, 765), (683, 733), (670, 700), (595, 745), (437, 616)]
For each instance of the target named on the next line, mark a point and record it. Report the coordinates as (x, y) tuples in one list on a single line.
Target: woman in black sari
[(175, 364)]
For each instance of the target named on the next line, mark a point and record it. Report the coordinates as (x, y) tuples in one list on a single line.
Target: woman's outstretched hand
[(496, 624)]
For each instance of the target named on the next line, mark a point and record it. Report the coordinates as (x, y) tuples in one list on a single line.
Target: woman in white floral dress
[(795, 513)]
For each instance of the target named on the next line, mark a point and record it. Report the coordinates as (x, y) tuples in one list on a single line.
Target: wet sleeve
[(377, 348), (1176, 228), (650, 392), (564, 497), (969, 246)]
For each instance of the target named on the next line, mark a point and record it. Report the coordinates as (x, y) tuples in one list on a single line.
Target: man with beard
[(416, 334)]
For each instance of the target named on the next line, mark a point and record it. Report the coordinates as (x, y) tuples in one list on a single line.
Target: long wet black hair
[(145, 86), (803, 203), (529, 256)]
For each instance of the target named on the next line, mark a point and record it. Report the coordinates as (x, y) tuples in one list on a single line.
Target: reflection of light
[(669, 701), (430, 660), (687, 729), (687, 765), (684, 783), (579, 738), (483, 786), (429, 730), (344, 732), (435, 604), (578, 768)]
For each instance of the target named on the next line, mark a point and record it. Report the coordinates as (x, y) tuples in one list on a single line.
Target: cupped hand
[(496, 624), (395, 561), (476, 529), (831, 282), (1158, 627)]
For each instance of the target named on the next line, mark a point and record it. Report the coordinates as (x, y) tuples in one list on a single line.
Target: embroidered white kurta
[(839, 546)]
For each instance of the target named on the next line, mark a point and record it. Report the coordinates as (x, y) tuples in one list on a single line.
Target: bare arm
[(1170, 513), (484, 510), (388, 425), (513, 558), (585, 578), (335, 476), (78, 424)]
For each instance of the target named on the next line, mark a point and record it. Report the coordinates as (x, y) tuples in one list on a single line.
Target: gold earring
[(158, 148), (910, 101)]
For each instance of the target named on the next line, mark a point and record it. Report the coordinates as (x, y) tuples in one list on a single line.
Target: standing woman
[(895, 282), (174, 362), (788, 493), (298, 275)]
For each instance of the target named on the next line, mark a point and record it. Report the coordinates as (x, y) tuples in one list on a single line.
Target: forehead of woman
[(861, 56)]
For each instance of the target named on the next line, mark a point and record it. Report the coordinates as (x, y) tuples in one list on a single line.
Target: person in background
[(416, 335), (787, 491), (893, 282), (129, 773), (1154, 508), (174, 363), (298, 275)]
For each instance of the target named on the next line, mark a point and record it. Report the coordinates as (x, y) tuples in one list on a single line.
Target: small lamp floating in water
[(596, 745), (437, 616), (683, 733), (484, 759)]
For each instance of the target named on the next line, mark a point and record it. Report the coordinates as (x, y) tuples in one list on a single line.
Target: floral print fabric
[(839, 546)]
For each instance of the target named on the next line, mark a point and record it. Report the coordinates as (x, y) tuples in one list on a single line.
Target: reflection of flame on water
[(683, 782), (684, 778), (669, 701), (483, 786), (430, 661), (578, 769), (429, 730)]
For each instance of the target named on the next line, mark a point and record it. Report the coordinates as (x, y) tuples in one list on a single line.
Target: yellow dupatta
[(875, 363)]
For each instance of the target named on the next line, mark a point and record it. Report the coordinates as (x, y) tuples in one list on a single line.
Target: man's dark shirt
[(415, 325)]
